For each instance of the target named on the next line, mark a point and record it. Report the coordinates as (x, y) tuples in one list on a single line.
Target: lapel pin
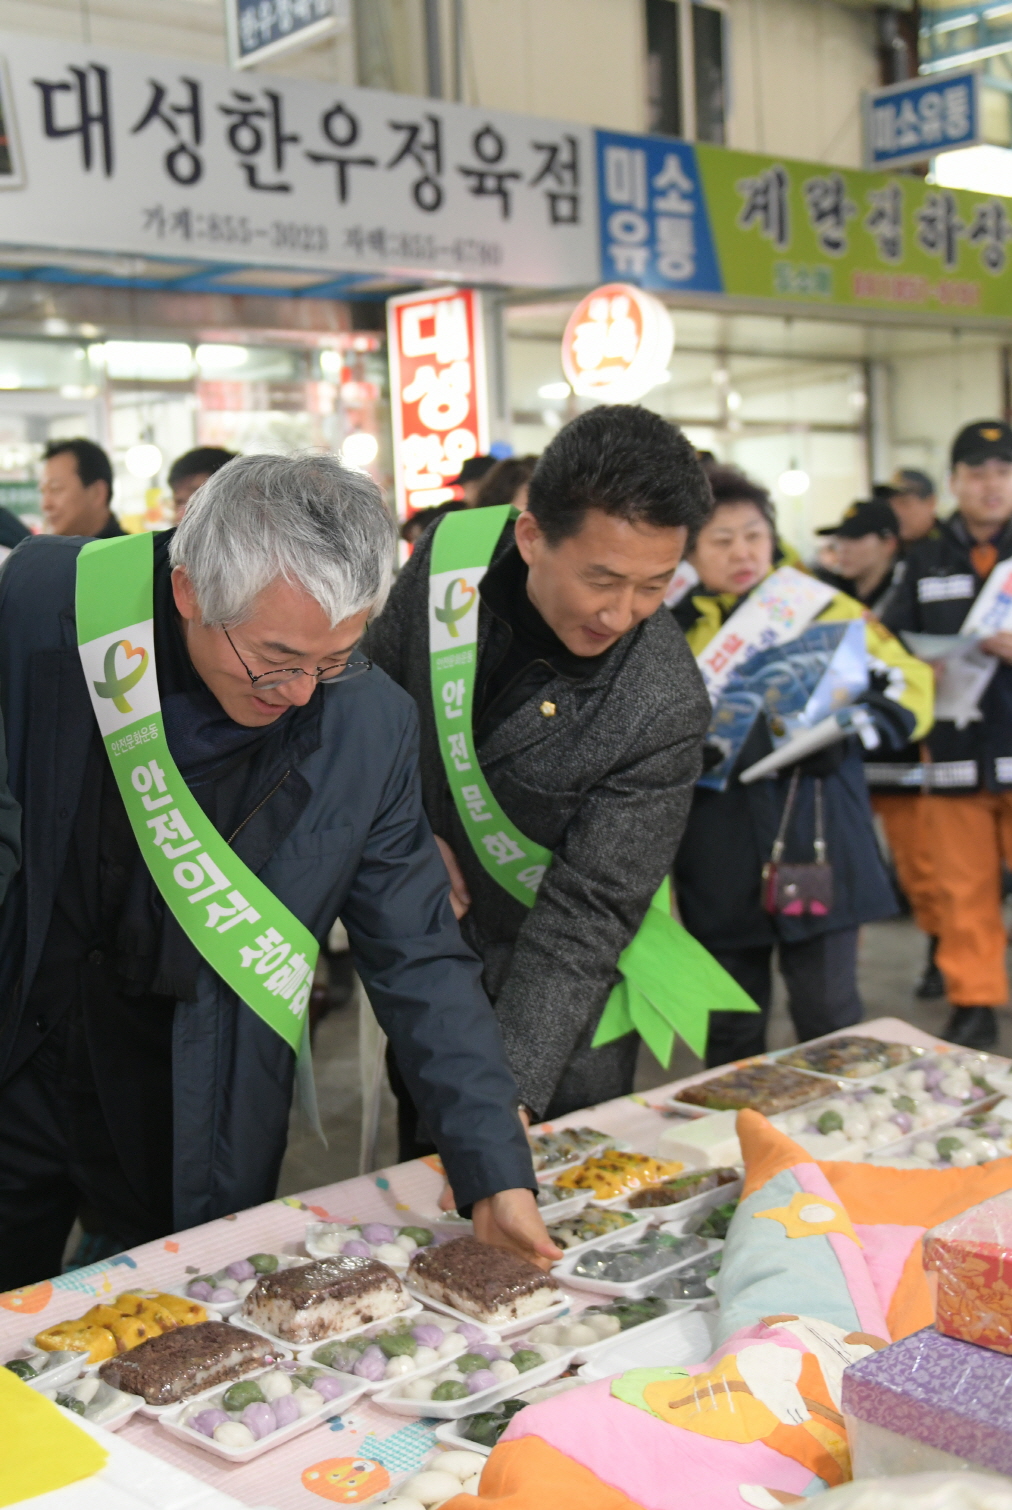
[(548, 710)]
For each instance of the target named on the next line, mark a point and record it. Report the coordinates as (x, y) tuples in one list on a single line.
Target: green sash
[(246, 935), (670, 983)]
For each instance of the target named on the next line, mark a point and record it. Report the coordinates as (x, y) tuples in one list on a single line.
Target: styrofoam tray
[(213, 1314), (449, 1435), (171, 1420), (607, 1143), (50, 1378), (305, 1355), (775, 1056), (680, 1212), (597, 1242), (687, 1337), (222, 1309), (160, 1410), (411, 1309), (635, 1289), (111, 1423), (594, 1349), (452, 1410), (504, 1328)]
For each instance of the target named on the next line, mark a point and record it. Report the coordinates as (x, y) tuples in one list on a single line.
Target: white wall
[(798, 70), (933, 394)]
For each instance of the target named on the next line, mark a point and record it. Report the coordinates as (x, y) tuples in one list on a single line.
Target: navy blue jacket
[(341, 834)]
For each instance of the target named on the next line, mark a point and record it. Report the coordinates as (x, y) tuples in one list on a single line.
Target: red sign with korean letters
[(438, 392)]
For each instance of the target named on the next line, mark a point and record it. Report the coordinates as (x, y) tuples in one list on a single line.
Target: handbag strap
[(779, 843)]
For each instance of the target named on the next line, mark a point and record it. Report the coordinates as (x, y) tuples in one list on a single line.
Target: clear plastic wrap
[(922, 1491), (490, 1284), (972, 1257), (850, 1056), (934, 1394), (324, 1298), (764, 1087)]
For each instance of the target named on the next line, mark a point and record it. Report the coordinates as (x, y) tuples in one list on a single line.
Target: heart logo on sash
[(450, 614), (114, 687)]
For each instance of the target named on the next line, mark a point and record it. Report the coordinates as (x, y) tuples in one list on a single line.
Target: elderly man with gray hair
[(145, 1080)]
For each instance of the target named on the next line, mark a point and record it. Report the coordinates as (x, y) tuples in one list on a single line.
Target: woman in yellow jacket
[(730, 835)]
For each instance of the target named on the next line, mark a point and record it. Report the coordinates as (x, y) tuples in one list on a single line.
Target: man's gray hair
[(307, 519)]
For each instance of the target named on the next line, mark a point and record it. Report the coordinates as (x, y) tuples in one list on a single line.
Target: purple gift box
[(940, 1391)]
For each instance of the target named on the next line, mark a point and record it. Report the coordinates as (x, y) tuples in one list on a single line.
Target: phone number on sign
[(233, 230)]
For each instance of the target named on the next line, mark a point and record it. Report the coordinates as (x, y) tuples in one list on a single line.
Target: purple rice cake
[(181, 1363), (324, 1298), (488, 1283)]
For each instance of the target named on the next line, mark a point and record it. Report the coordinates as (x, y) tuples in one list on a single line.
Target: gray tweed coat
[(606, 785)]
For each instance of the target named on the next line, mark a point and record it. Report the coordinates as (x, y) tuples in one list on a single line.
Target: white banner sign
[(132, 153)]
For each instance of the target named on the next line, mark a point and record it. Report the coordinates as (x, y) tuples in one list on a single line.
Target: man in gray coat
[(132, 1079), (589, 715)]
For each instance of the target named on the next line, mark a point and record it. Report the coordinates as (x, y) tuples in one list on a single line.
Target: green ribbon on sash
[(241, 929), (670, 983)]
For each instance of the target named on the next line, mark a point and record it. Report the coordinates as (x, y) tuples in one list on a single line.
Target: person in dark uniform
[(967, 781), (867, 543), (75, 490)]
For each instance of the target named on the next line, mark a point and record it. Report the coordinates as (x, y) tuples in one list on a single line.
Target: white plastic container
[(239, 1320), (305, 1354), (110, 1419), (550, 1313), (636, 1288), (641, 1222), (685, 1337), (679, 1216), (171, 1419), (452, 1410)]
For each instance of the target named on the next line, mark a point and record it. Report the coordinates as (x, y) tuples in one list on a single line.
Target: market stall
[(359, 1444)]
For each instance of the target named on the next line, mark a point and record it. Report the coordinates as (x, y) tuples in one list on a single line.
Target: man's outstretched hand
[(512, 1220)]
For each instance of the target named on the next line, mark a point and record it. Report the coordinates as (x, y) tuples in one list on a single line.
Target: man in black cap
[(967, 780), (867, 542), (912, 498), (470, 477)]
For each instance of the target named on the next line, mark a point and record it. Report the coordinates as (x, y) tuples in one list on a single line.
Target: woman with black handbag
[(789, 863)]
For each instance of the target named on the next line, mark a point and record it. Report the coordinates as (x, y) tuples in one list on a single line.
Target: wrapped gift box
[(929, 1398), (971, 1255)]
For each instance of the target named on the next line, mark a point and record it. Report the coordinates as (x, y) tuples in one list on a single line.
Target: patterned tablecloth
[(295, 1477)]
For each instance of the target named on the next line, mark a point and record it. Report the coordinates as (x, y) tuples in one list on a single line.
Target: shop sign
[(617, 344), (438, 392), (259, 30), (178, 159), (765, 228), (654, 227), (916, 120)]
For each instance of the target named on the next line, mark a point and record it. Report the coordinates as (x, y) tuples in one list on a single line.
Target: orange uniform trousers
[(913, 855), (970, 837)]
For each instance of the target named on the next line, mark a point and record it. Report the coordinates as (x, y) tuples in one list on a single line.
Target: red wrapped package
[(972, 1257)]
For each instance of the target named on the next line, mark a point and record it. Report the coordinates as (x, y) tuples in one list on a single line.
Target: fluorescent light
[(218, 357), (143, 461), (986, 168), (359, 449), (734, 400), (554, 390), (794, 482), (151, 361)]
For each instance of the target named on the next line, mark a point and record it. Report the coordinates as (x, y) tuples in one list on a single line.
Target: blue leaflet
[(793, 686)]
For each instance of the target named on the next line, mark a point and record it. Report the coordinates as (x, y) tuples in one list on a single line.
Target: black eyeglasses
[(343, 671)]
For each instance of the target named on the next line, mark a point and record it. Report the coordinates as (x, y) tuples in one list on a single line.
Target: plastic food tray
[(634, 1289), (226, 1308), (777, 1056), (549, 1171), (170, 1420), (32, 1352), (305, 1355), (111, 1423), (687, 1336), (901, 1155), (452, 1410), (550, 1313), (679, 1213), (642, 1221), (593, 1350), (51, 1378), (411, 1309), (160, 1410), (449, 1432)]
